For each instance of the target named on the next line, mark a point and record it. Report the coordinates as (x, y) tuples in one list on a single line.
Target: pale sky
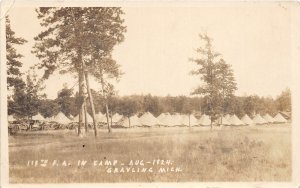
[(160, 40)]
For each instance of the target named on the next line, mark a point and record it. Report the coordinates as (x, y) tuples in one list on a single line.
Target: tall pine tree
[(73, 41), (13, 57), (216, 77)]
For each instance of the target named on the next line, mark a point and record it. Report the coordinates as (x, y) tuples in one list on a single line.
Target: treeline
[(67, 102), (66, 45)]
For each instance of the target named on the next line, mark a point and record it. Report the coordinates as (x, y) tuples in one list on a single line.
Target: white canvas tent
[(258, 120), (234, 120), (116, 117), (162, 115), (247, 120), (279, 119), (177, 119), (268, 118), (99, 117), (49, 119), (134, 121), (227, 116), (11, 118), (38, 117), (147, 119), (168, 120), (224, 121), (186, 120), (193, 120), (204, 120), (61, 118), (89, 118)]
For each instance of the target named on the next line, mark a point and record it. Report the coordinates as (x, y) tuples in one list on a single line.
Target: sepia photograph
[(148, 93)]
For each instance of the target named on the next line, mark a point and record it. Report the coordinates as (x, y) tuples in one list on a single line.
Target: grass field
[(258, 153)]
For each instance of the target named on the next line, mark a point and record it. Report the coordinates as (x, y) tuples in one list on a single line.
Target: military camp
[(131, 94)]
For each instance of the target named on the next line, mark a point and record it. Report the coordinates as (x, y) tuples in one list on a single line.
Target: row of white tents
[(165, 119), (246, 120)]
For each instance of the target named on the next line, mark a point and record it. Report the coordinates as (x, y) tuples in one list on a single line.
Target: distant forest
[(67, 101)]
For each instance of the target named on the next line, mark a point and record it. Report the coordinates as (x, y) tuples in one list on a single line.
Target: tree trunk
[(129, 121), (211, 122), (106, 105), (79, 68), (91, 102), (111, 121), (29, 123), (85, 117), (81, 85), (211, 113), (221, 119), (223, 106), (107, 118)]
